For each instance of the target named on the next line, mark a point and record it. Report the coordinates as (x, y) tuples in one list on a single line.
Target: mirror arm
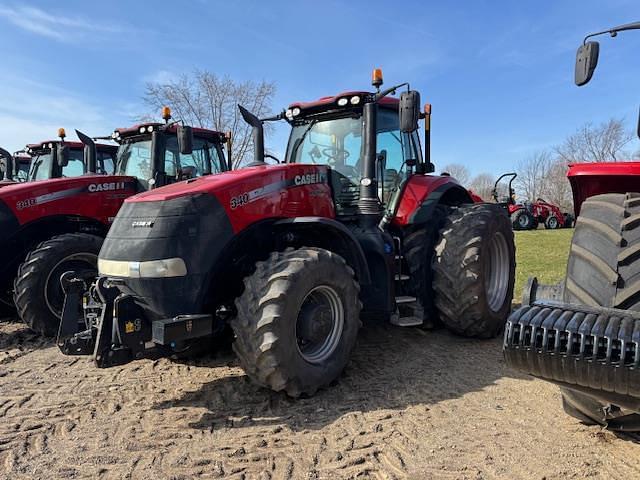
[(614, 31)]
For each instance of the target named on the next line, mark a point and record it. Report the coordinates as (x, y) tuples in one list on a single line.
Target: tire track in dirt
[(411, 404)]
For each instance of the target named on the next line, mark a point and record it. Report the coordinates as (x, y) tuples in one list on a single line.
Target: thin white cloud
[(55, 26), (31, 111)]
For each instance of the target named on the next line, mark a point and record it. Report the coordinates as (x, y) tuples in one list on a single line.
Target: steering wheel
[(333, 152)]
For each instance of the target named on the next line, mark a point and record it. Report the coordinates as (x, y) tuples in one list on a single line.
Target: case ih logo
[(309, 178), (105, 187)]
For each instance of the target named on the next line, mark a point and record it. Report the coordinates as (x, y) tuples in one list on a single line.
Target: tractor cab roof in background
[(48, 144), (143, 128), (389, 102), (604, 168)]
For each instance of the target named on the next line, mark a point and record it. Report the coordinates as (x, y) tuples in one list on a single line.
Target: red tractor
[(36, 162), (51, 226), (528, 215), (350, 225), (584, 334), (13, 168)]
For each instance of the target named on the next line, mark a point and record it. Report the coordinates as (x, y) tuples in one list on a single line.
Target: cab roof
[(333, 100), (205, 133), (101, 147)]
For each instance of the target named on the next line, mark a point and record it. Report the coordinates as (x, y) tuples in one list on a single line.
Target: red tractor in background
[(14, 168), (50, 226), (351, 224), (38, 161), (528, 215), (584, 333)]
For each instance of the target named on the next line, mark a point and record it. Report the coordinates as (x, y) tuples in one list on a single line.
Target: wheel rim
[(319, 324), (53, 294), (553, 222), (497, 275)]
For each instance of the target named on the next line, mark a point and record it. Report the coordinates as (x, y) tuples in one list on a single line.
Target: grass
[(543, 254)]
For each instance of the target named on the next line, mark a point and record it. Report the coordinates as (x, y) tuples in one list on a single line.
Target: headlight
[(355, 100), (142, 129), (150, 128), (295, 112), (289, 114), (170, 267), (342, 102)]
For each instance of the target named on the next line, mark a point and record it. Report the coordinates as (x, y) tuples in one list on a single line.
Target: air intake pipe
[(90, 152), (258, 135)]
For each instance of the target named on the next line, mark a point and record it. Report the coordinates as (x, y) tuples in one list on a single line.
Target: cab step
[(402, 277), (404, 299), (399, 321)]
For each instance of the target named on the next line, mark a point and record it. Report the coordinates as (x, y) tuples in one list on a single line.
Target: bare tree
[(459, 172), (556, 187), (202, 99), (482, 185), (533, 174), (596, 143)]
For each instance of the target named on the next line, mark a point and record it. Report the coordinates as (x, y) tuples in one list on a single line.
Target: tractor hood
[(254, 193), (588, 179), (88, 195)]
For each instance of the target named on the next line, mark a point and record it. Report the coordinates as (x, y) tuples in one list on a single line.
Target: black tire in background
[(419, 248), (603, 270), (287, 338), (474, 270), (523, 220), (551, 223), (37, 291)]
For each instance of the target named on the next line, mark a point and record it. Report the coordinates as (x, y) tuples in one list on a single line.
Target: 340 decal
[(29, 202), (239, 200)]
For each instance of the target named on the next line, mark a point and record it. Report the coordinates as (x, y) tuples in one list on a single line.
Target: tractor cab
[(158, 154), (330, 132), (21, 166), (63, 159)]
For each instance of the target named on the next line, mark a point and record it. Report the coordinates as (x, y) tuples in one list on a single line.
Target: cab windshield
[(134, 158), (337, 142), (41, 166)]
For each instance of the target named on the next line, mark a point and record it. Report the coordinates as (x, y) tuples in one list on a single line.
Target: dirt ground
[(411, 404)]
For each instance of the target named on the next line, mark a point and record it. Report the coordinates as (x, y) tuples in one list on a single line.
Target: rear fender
[(422, 193)]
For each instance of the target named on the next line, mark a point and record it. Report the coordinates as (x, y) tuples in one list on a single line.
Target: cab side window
[(76, 166)]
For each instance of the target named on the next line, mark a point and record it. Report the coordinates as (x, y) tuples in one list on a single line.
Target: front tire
[(298, 319), (523, 220), (603, 270), (474, 270), (37, 293), (551, 223)]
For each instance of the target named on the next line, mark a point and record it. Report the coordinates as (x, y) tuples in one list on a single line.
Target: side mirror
[(62, 154), (185, 139), (409, 111), (586, 62)]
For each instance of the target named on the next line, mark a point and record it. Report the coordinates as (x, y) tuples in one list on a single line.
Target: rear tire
[(522, 220), (474, 270), (603, 270), (298, 319), (37, 293)]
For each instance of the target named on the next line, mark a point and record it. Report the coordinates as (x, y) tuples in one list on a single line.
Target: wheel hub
[(319, 324), (497, 273)]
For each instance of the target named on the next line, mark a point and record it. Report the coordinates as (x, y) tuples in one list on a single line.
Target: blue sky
[(499, 74)]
